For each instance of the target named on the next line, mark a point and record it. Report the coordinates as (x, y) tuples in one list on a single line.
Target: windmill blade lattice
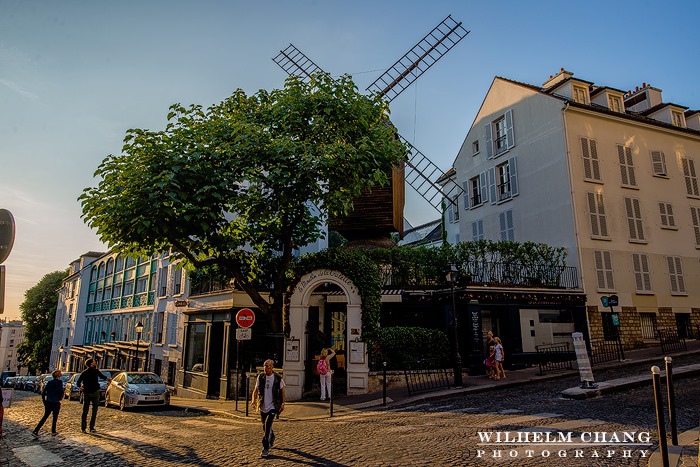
[(421, 174), (416, 61), (296, 63)]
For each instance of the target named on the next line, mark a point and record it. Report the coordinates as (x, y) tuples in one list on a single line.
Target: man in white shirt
[(269, 397)]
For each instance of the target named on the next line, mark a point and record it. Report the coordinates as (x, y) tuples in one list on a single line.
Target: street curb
[(615, 385)]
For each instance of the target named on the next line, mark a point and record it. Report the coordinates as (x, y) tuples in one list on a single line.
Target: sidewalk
[(684, 454)]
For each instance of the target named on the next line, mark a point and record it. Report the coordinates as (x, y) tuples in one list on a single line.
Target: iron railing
[(671, 341), (603, 350), (425, 375), (553, 357)]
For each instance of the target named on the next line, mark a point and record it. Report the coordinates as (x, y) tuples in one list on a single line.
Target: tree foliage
[(244, 182), (38, 313)]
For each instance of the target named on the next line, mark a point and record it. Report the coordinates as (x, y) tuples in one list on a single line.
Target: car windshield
[(143, 379), (107, 373), (66, 376)]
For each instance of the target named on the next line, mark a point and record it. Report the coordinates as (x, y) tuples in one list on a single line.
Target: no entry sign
[(245, 317)]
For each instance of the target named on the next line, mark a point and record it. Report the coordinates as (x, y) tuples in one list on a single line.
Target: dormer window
[(580, 95), (677, 119), (614, 103)]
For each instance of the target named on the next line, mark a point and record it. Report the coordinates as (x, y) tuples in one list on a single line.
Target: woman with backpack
[(324, 372)]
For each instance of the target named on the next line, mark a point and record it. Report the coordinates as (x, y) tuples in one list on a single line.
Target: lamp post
[(60, 357), (452, 276), (139, 328)]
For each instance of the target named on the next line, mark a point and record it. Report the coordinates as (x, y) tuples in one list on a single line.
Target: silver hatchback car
[(137, 389)]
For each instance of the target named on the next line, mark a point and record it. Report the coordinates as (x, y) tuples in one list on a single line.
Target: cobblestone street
[(438, 433)]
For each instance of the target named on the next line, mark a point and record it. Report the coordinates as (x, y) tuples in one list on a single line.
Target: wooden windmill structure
[(379, 211)]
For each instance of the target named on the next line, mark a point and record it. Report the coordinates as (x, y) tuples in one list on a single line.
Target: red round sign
[(245, 317)]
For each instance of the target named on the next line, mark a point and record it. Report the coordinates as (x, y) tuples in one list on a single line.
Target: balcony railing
[(501, 274)]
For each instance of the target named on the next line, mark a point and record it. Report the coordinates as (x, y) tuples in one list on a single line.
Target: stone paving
[(441, 432)]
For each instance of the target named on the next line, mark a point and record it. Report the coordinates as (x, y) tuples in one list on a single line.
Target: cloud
[(16, 88)]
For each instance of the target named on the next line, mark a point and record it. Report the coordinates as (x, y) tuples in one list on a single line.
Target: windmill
[(379, 212)]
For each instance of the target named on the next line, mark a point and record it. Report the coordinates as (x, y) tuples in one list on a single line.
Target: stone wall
[(630, 327), (595, 322), (665, 319)]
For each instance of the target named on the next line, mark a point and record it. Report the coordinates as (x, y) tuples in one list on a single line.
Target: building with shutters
[(11, 334), (609, 174), (104, 298)]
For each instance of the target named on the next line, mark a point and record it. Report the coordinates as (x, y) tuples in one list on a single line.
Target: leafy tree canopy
[(239, 184), (38, 313)]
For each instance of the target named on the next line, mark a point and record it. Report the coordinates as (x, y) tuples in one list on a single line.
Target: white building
[(11, 334), (608, 174)]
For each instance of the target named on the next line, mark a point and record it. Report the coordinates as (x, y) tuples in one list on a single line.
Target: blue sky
[(75, 75)]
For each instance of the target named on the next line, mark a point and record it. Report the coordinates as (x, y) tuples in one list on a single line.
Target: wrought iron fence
[(553, 357), (424, 375), (671, 341), (603, 350)]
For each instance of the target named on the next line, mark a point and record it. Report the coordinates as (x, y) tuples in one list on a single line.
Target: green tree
[(239, 185), (38, 311)]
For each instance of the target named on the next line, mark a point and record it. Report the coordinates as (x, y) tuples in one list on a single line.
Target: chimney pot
[(561, 70)]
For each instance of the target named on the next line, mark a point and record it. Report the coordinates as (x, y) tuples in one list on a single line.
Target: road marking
[(36, 456)]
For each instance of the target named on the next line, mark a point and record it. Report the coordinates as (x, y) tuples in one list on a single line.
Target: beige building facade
[(609, 174)]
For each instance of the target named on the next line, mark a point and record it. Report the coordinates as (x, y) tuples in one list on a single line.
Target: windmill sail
[(419, 172), (416, 61)]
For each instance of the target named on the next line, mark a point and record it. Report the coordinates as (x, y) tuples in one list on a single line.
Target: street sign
[(615, 319), (612, 300), (245, 317), (244, 334), (7, 234), (180, 303), (605, 299)]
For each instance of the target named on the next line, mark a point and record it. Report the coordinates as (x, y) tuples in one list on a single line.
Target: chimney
[(561, 76)]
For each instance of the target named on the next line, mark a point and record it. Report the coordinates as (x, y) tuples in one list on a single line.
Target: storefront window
[(194, 359)]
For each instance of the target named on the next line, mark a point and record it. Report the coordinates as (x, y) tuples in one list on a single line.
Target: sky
[(75, 75)]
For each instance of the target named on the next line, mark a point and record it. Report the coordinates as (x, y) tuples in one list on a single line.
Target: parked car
[(103, 382), (29, 383), (10, 382), (137, 388), (41, 380), (71, 391), (19, 382)]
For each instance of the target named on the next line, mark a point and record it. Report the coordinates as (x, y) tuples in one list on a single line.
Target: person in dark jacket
[(90, 387), (52, 396)]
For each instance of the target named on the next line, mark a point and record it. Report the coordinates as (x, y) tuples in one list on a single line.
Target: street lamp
[(139, 328), (60, 357), (452, 276)]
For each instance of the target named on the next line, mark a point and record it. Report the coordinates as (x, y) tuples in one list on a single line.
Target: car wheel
[(122, 402)]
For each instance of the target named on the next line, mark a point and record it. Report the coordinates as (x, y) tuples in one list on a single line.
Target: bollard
[(671, 401), (332, 392), (384, 389), (247, 389), (660, 423)]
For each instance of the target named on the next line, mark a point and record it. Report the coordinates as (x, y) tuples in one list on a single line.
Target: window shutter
[(695, 214), (658, 164), (637, 263), (693, 178), (465, 186), (492, 184), (630, 166), (587, 171), (607, 263), (509, 225), (483, 187), (513, 169), (679, 274), (638, 218), (481, 229), (688, 177), (593, 213), (509, 129), (594, 160), (664, 216), (450, 213), (600, 273), (502, 219), (630, 218), (489, 142), (672, 273), (623, 165), (475, 231), (669, 212), (646, 275)]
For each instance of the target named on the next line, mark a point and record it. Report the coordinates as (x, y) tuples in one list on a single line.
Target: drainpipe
[(574, 211)]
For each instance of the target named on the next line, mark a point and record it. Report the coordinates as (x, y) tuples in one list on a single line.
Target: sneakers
[(84, 430), (264, 453), (35, 434)]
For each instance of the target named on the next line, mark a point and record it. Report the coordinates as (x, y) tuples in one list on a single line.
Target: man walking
[(90, 387), (269, 397), (51, 395)]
